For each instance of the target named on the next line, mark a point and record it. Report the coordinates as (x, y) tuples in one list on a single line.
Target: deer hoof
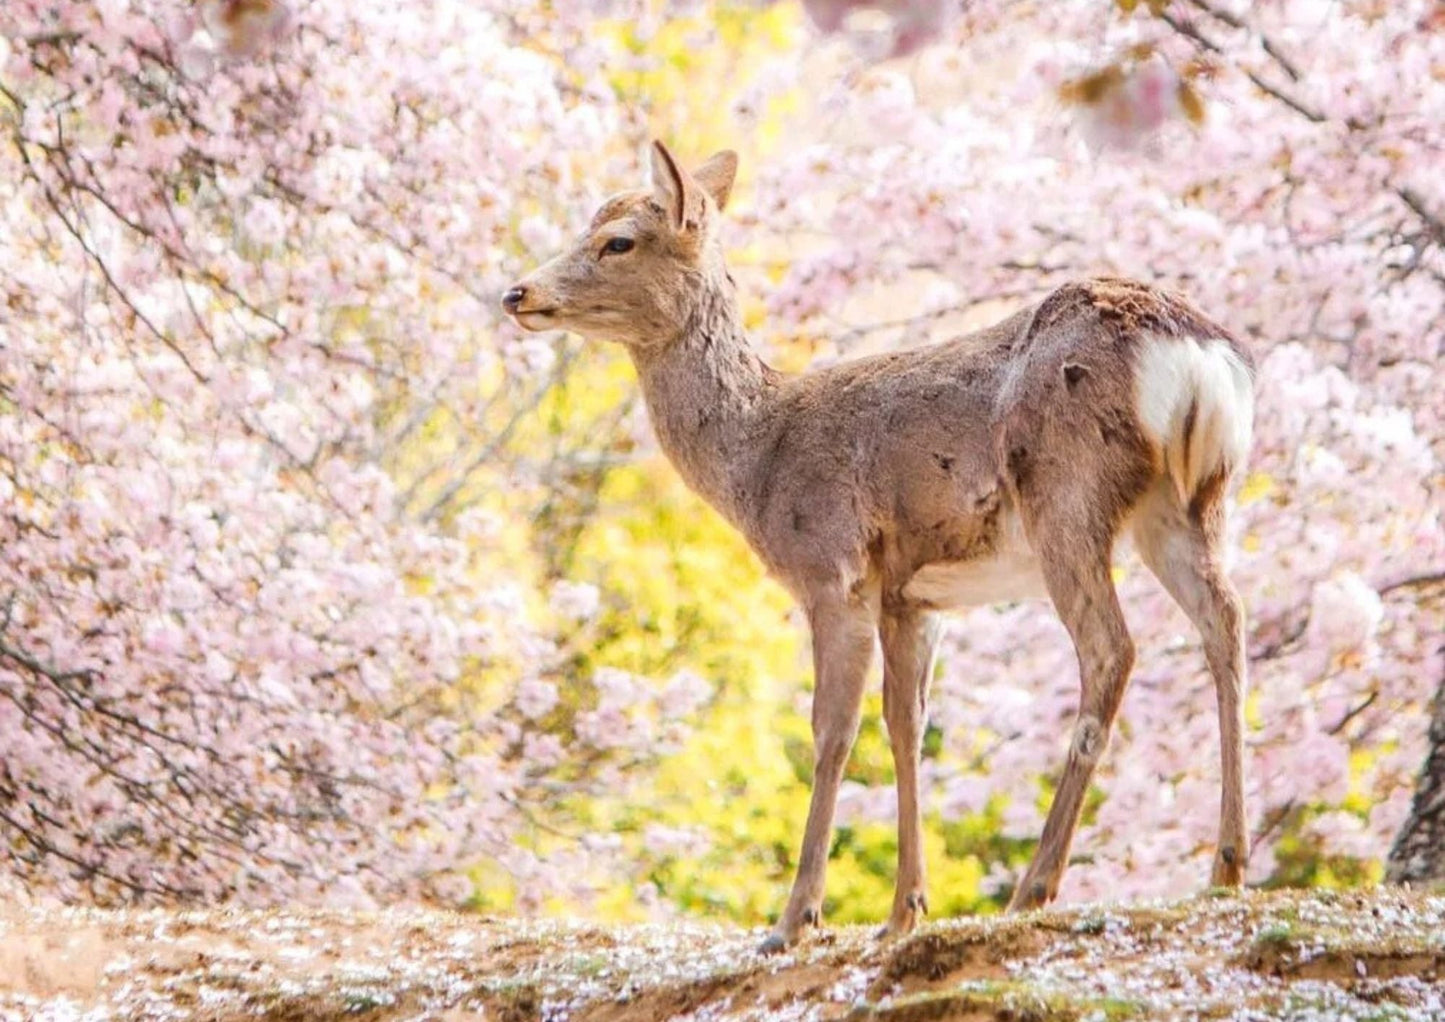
[(785, 935), (774, 944), (1030, 894), (905, 917), (895, 928), (1228, 869)]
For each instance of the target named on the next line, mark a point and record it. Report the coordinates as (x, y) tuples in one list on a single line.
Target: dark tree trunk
[(1419, 852)]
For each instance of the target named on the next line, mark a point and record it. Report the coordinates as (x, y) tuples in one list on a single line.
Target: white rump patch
[(1176, 373)]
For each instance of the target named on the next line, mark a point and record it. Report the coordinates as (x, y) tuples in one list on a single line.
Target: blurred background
[(320, 582)]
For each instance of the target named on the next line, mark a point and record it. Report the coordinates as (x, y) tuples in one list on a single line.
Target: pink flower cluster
[(249, 247)]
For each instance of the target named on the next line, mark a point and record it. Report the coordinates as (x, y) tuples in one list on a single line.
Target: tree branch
[(1420, 581)]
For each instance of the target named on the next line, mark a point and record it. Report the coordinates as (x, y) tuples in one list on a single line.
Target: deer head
[(633, 275)]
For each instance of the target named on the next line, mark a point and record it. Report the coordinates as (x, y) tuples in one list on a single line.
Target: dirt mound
[(1378, 955)]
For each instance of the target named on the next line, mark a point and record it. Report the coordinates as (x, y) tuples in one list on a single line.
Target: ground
[(1319, 955)]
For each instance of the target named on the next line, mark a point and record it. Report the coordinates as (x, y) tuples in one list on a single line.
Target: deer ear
[(670, 185), (717, 174)]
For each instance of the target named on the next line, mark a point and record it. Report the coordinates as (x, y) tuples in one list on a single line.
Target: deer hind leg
[(1183, 548), (910, 639), (842, 650), (1077, 573)]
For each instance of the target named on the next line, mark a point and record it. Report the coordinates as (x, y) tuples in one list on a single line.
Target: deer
[(885, 490)]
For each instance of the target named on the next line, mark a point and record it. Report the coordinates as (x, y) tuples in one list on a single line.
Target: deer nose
[(512, 300)]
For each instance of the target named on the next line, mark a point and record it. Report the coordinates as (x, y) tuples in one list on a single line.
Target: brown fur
[(849, 481)]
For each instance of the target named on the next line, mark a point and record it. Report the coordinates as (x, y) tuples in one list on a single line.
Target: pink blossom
[(684, 695), (1345, 612), (575, 600), (535, 697)]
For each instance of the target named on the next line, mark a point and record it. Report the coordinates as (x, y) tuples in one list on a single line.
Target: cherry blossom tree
[(248, 248)]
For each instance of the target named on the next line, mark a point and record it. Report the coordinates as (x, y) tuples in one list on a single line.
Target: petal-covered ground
[(1317, 955)]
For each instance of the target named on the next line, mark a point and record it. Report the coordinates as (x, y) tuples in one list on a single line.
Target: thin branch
[(1190, 31), (1272, 822), (1234, 21), (1420, 581), (1433, 221), (851, 334), (1355, 712)]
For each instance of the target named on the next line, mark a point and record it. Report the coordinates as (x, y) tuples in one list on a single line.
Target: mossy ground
[(1287, 955)]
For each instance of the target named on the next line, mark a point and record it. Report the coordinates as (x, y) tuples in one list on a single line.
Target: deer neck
[(706, 393)]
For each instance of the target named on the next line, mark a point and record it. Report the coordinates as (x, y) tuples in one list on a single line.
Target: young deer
[(884, 490)]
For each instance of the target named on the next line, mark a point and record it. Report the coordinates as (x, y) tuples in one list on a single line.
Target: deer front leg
[(910, 639), (1084, 596), (842, 648)]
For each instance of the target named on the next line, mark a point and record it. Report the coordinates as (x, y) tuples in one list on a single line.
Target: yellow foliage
[(1257, 486), (677, 74), (689, 60)]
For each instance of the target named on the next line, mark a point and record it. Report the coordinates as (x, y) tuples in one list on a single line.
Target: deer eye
[(616, 246)]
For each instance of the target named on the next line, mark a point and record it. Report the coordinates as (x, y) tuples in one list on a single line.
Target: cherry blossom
[(238, 655)]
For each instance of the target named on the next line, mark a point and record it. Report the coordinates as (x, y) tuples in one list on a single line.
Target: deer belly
[(1006, 576)]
